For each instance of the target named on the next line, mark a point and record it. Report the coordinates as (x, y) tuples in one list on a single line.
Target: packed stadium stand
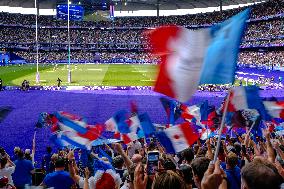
[(115, 126), (124, 36)]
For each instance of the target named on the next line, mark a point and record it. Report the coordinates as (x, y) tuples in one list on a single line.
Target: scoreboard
[(76, 12)]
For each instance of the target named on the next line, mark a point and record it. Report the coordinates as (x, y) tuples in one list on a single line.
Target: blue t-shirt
[(22, 174), (58, 180), (234, 177)]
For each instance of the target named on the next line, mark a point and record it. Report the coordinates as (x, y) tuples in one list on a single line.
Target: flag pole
[(222, 126), (33, 148), (252, 125)]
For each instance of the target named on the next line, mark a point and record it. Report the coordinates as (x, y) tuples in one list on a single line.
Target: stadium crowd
[(273, 7), (246, 58), (259, 33), (88, 57), (242, 163), (53, 32), (260, 59)]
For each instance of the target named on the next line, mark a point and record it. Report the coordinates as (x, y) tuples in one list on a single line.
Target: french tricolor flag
[(274, 109), (70, 122), (193, 57), (177, 138), (118, 122), (74, 139), (242, 98)]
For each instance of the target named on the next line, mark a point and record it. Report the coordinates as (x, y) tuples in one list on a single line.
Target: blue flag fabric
[(120, 118), (204, 111), (146, 124), (102, 153), (166, 142), (222, 54), (172, 109), (257, 130), (73, 124)]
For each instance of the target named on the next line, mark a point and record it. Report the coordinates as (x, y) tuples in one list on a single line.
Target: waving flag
[(146, 124), (193, 57), (93, 132), (190, 112), (202, 115), (67, 138), (172, 109), (134, 128), (177, 138), (242, 98), (70, 122), (275, 109), (118, 122)]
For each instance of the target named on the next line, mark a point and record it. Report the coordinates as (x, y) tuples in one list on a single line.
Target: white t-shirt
[(91, 181), (7, 172)]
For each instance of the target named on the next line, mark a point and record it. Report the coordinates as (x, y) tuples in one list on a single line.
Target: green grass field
[(82, 75)]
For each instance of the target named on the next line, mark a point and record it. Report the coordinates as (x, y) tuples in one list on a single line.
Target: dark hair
[(199, 166), (60, 163), (188, 155), (151, 146), (186, 173), (261, 175), (20, 154), (2, 151), (118, 162), (168, 164), (238, 148), (168, 180), (3, 162), (232, 159)]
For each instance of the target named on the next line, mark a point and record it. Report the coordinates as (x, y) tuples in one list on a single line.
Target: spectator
[(28, 154), (260, 174), (7, 168), (59, 179), (23, 171), (199, 167), (46, 160), (16, 151), (232, 171)]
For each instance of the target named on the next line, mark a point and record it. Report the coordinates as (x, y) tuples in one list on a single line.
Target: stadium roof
[(130, 5)]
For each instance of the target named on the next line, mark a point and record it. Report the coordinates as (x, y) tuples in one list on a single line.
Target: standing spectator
[(28, 154), (199, 167), (59, 179), (232, 171), (16, 151), (23, 172), (7, 168), (46, 160), (133, 147)]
